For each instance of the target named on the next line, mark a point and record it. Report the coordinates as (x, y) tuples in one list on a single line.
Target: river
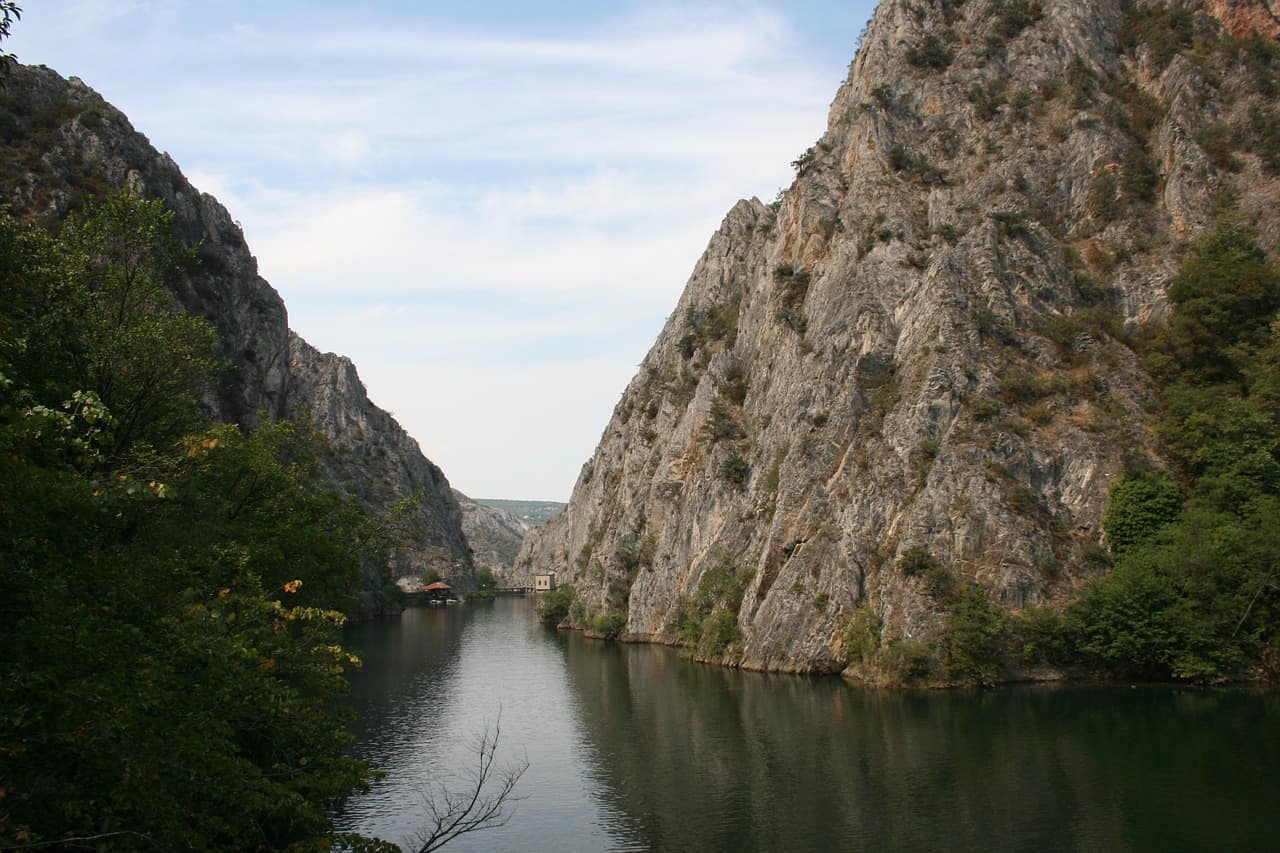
[(632, 747)]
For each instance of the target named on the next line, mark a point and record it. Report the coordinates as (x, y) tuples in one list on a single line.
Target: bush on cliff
[(708, 620), (1195, 592), (554, 605)]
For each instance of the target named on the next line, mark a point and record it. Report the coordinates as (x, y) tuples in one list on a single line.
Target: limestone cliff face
[(495, 535), (921, 346), (370, 456), (63, 143), (1242, 17)]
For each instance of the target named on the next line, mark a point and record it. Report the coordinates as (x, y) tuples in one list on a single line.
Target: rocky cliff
[(370, 456), (917, 357), (1243, 17), (495, 535), (64, 143)]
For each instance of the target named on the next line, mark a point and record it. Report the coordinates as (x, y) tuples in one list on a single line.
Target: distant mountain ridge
[(533, 513), (496, 529)]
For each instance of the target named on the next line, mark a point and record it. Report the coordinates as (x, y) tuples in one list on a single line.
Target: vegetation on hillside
[(530, 512), (554, 605), (707, 621), (170, 590), (1195, 589)]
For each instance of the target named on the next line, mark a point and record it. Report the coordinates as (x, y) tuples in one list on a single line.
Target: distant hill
[(495, 530), (533, 513)]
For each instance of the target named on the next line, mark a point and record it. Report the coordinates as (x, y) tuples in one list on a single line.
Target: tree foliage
[(973, 642), (87, 313), (1196, 588), (708, 620), (1225, 296), (169, 590), (554, 605), (10, 12), (1141, 503)]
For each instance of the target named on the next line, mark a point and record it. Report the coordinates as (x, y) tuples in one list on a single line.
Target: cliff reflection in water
[(633, 747), (702, 758)]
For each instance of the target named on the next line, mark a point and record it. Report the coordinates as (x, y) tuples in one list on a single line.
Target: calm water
[(634, 748)]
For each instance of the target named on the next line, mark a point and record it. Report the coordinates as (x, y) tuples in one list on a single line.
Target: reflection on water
[(632, 747), (431, 682)]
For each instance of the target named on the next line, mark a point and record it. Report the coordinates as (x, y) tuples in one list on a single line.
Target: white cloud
[(351, 148), (403, 186), (680, 43), (215, 185), (375, 239), (90, 15), (397, 329)]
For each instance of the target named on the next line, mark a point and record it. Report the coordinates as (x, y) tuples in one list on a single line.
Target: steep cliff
[(495, 535), (370, 456), (63, 143), (916, 360)]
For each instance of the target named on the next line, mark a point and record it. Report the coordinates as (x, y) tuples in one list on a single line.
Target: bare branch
[(88, 842), (481, 803)]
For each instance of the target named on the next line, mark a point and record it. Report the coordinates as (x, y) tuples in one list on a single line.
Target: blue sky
[(491, 207)]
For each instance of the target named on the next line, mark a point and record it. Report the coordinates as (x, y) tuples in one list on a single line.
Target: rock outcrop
[(63, 143), (921, 347), (495, 535), (1244, 17), (371, 456)]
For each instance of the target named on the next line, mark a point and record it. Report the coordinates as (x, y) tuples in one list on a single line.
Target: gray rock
[(916, 362), (63, 143), (494, 534), (369, 455)]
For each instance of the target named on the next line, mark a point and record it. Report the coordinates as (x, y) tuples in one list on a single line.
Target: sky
[(490, 207)]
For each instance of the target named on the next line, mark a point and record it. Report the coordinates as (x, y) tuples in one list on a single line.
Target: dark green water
[(634, 748)]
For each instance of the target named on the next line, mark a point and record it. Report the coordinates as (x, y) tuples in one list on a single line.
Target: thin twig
[(80, 840), (458, 812)]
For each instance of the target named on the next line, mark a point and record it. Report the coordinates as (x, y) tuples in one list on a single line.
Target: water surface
[(634, 748)]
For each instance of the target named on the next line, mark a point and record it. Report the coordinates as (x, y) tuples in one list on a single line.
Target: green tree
[(168, 589), (1195, 592), (708, 620), (10, 12), (90, 313), (554, 605), (1224, 297), (1140, 504), (1197, 602), (973, 641)]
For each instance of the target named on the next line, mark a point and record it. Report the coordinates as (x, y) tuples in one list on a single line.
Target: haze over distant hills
[(533, 513)]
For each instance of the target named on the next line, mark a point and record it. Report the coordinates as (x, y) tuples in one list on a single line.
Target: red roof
[(436, 585)]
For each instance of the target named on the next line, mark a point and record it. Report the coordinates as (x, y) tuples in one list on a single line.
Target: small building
[(436, 593), (544, 583)]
